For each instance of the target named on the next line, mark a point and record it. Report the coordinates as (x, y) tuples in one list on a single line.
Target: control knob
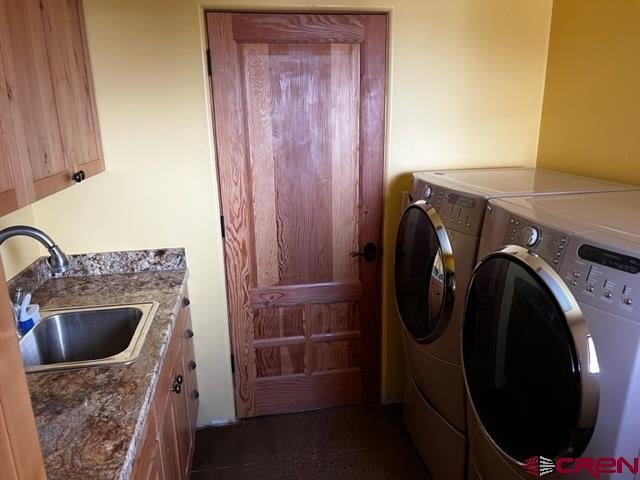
[(530, 236), (428, 191)]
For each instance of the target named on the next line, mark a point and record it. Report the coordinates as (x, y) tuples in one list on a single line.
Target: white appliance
[(436, 251), (551, 338)]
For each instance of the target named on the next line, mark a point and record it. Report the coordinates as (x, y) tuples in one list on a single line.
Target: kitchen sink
[(87, 337)]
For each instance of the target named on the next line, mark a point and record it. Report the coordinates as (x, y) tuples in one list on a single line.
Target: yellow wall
[(590, 122), (18, 253), (466, 82)]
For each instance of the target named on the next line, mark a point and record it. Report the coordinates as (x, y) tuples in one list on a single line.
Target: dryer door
[(424, 272), (529, 361)]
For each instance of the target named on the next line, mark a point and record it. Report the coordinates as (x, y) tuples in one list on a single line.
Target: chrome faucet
[(58, 261)]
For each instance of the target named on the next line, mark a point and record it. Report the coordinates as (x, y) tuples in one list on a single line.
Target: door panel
[(33, 97), (12, 193), (299, 115), (63, 31)]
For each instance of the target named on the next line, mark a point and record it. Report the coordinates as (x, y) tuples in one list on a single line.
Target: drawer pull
[(196, 394), (188, 333), (192, 365), (185, 302)]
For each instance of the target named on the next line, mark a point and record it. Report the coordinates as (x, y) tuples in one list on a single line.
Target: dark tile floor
[(350, 443)]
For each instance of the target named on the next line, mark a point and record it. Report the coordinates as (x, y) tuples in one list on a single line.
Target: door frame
[(375, 390)]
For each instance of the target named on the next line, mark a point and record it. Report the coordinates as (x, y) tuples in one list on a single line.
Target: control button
[(428, 191), (512, 221), (574, 283), (531, 236), (556, 261), (576, 274), (590, 288), (563, 240), (515, 230), (628, 301), (511, 238), (558, 254), (608, 294), (517, 222), (561, 246)]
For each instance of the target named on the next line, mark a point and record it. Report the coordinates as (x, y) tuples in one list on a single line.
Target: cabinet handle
[(185, 302), (177, 384), (188, 333), (192, 365), (196, 394), (78, 176)]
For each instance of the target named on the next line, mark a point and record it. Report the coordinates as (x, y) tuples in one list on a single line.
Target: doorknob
[(369, 252)]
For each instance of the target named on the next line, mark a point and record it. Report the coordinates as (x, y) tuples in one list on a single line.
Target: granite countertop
[(90, 421)]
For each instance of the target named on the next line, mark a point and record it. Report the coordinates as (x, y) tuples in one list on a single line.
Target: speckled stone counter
[(91, 420)]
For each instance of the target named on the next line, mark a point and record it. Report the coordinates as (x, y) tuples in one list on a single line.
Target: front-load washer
[(436, 249), (551, 339)]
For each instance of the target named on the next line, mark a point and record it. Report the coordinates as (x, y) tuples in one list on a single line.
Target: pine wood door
[(299, 105)]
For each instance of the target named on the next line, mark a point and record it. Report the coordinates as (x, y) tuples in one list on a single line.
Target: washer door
[(424, 270), (529, 360)]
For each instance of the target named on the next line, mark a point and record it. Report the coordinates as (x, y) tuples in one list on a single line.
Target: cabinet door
[(20, 453), (32, 98), (170, 438), (184, 429), (51, 99), (155, 471), (149, 449), (12, 195), (72, 84)]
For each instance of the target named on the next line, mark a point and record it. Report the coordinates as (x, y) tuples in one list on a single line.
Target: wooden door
[(20, 454), (299, 123)]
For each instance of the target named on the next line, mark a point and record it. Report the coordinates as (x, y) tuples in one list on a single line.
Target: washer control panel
[(544, 241), (602, 277), (458, 211)]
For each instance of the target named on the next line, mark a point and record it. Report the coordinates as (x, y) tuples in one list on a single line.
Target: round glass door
[(423, 272), (521, 362)]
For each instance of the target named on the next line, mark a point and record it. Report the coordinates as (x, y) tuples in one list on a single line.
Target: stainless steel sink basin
[(87, 336)]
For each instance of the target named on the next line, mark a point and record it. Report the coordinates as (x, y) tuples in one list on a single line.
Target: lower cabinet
[(167, 446)]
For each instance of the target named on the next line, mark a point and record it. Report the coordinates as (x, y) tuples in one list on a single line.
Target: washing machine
[(551, 339), (436, 250)]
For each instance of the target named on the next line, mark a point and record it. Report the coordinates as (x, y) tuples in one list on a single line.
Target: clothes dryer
[(551, 339), (436, 250)]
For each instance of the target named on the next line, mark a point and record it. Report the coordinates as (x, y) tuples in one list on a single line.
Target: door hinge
[(209, 62), (233, 363), (222, 225)]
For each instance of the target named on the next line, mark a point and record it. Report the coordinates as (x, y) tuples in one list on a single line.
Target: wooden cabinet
[(49, 120), (167, 447), (20, 455)]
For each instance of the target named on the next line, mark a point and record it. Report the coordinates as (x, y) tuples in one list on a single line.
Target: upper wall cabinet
[(49, 133)]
